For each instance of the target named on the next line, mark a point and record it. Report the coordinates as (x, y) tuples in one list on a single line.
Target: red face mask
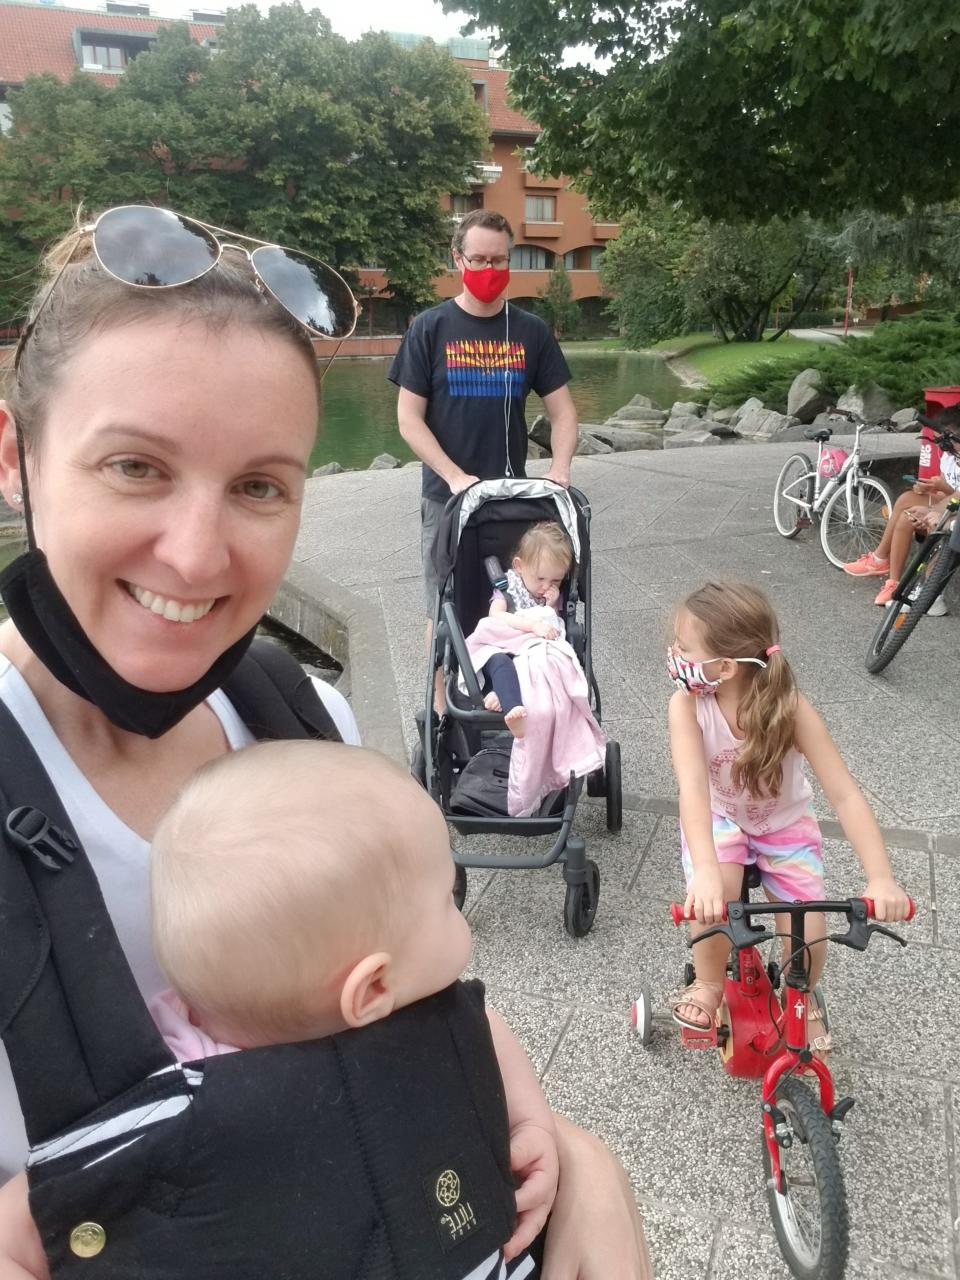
[(487, 284)]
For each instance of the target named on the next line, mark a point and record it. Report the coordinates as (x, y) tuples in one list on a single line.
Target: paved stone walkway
[(688, 1135)]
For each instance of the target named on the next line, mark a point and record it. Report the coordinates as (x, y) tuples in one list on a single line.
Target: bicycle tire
[(859, 537), (897, 624), (820, 1252), (790, 521)]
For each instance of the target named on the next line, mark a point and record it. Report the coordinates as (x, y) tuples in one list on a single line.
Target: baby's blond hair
[(545, 539), (274, 871)]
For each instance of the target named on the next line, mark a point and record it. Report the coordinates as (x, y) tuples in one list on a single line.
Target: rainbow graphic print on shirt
[(476, 367)]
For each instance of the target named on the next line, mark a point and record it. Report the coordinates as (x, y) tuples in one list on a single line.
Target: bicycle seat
[(822, 436)]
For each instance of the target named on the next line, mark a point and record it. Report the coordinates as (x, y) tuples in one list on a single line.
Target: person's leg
[(881, 555), (502, 674), (710, 956)]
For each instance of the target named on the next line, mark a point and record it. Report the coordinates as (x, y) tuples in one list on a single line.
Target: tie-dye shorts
[(790, 861)]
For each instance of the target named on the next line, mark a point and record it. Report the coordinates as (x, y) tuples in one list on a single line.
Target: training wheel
[(642, 1017), (460, 887)]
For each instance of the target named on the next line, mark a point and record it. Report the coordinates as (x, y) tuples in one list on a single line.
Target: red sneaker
[(868, 566), (885, 594)]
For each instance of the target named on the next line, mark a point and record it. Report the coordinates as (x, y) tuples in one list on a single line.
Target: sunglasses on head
[(149, 248)]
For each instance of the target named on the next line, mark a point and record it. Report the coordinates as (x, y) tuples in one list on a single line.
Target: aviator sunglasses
[(150, 248)]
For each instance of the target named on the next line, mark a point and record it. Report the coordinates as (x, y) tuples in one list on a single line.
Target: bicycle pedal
[(692, 1039), (804, 522)]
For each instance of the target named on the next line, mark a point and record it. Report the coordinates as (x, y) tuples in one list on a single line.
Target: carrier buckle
[(33, 832)]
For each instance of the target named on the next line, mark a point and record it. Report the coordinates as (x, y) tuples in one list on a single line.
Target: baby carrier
[(378, 1154), (464, 757)]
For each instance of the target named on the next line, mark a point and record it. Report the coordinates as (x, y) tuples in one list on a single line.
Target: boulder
[(767, 424), (807, 396), (539, 431), (686, 409), (384, 462), (683, 423), (589, 444), (328, 469), (643, 402), (717, 428), (870, 402), (687, 439), (727, 415), (623, 439), (535, 451), (637, 413), (746, 407), (905, 419)]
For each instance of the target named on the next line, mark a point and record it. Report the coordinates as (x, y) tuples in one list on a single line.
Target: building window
[(570, 260), (110, 57), (527, 257), (595, 256), (541, 208), (459, 205), (480, 92), (6, 118)]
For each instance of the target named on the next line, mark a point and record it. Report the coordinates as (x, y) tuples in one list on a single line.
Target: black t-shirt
[(475, 380)]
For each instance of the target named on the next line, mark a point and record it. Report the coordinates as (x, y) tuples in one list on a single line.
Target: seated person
[(285, 911), (909, 518), (541, 563)]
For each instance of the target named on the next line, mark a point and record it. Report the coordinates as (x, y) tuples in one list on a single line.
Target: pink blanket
[(562, 736)]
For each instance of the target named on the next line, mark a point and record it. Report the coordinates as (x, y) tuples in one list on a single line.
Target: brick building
[(549, 220)]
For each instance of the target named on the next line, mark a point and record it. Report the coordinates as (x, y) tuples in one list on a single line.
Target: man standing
[(465, 369)]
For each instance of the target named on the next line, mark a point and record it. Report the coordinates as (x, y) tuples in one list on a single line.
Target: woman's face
[(167, 487)]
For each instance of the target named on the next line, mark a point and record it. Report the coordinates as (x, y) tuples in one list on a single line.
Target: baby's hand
[(889, 901), (551, 596), (545, 630), (705, 895), (536, 1167)]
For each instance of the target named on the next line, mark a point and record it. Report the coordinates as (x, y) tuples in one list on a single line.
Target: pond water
[(360, 405)]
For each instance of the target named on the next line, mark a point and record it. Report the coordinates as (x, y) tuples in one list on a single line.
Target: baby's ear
[(367, 993)]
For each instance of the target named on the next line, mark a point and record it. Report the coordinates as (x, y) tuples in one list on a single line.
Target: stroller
[(464, 757)]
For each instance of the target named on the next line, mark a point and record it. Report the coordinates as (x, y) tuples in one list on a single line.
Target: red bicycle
[(757, 1036)]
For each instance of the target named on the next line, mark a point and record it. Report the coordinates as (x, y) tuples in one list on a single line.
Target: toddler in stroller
[(468, 759)]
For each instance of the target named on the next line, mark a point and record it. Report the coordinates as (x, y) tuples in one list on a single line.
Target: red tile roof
[(503, 118), (36, 37)]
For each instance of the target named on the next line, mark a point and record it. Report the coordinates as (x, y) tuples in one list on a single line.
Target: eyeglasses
[(477, 263), (149, 248)]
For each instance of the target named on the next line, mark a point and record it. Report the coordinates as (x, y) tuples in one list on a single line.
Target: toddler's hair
[(738, 622), (545, 539), (276, 869)]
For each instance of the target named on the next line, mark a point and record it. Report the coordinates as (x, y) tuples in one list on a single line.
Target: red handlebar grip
[(676, 912), (871, 909)]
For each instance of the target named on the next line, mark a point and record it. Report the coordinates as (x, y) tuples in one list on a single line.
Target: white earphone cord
[(507, 391)]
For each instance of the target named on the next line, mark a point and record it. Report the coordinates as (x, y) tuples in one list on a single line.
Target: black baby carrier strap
[(275, 698)]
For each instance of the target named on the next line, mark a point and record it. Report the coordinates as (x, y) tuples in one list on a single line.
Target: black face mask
[(48, 625)]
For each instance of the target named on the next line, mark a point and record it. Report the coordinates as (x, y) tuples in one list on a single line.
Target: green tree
[(740, 109), (290, 133), (639, 271), (557, 305)]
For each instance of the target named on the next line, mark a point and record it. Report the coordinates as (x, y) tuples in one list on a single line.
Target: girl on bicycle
[(738, 747)]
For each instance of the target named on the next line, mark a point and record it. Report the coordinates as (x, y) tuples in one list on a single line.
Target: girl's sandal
[(700, 995), (820, 1044)]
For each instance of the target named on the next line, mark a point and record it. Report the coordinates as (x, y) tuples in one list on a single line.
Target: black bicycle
[(923, 580)]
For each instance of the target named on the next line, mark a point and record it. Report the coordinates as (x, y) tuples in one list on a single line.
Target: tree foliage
[(739, 109), (556, 304), (290, 133)]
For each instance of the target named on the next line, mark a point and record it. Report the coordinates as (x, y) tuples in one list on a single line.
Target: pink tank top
[(755, 816)]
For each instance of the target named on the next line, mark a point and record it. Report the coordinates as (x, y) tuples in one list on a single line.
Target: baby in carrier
[(288, 909)]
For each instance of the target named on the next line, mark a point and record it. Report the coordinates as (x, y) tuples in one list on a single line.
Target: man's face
[(483, 247)]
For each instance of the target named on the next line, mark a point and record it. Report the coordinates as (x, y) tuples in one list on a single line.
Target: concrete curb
[(351, 630)]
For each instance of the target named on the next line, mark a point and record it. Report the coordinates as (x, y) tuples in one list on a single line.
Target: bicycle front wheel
[(848, 530), (810, 1212), (924, 581), (793, 495)]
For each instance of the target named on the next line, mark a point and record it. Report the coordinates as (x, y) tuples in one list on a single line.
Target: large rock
[(746, 407), (539, 432), (535, 451), (717, 428), (328, 469), (638, 413), (728, 415), (807, 396), (686, 409), (767, 424), (589, 444), (906, 419), (685, 422), (384, 462), (687, 439), (642, 402), (870, 402), (624, 439)]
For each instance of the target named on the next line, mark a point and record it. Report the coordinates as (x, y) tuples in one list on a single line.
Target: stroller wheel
[(460, 887), (580, 904), (596, 784), (614, 787)]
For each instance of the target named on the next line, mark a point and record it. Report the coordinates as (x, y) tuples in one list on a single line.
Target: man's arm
[(563, 433), (21, 1253), (412, 421)]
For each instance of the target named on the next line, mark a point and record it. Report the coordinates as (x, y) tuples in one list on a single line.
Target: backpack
[(353, 1157)]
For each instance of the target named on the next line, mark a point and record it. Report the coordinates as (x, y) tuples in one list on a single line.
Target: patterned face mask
[(689, 677)]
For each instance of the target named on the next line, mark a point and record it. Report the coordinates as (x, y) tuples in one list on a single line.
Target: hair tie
[(774, 648)]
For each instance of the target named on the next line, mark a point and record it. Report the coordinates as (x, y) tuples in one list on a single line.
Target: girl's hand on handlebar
[(925, 487), (705, 901), (889, 900)]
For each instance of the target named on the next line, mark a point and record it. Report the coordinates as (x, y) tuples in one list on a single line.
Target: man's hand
[(461, 482), (559, 475), (536, 1166)]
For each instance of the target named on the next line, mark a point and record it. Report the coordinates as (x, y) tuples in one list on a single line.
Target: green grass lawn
[(593, 344), (716, 360)]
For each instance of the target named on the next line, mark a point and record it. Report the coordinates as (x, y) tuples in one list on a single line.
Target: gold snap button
[(87, 1239)]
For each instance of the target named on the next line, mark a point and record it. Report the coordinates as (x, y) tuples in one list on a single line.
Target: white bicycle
[(851, 507)]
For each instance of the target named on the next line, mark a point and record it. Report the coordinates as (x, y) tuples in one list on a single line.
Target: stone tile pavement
[(687, 1134)]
